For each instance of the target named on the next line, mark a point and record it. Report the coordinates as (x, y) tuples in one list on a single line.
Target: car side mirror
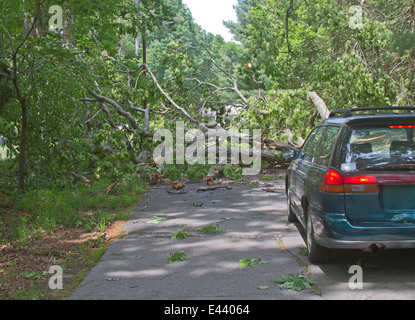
[(288, 154)]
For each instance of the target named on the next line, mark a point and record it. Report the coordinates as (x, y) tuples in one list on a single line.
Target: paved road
[(254, 217)]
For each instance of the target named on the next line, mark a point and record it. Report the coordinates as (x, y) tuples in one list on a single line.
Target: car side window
[(326, 146), (310, 148)]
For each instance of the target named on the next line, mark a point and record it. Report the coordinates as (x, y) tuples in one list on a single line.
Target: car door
[(311, 166), (301, 168), (319, 167)]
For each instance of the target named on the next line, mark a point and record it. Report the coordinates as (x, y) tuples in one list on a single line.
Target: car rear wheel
[(316, 253)]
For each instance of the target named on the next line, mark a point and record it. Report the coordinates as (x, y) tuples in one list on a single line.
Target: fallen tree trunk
[(319, 103), (152, 178), (276, 145)]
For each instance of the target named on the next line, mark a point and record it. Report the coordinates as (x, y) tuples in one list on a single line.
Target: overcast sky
[(209, 14)]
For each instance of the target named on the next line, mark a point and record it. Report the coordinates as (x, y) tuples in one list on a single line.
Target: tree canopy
[(88, 96)]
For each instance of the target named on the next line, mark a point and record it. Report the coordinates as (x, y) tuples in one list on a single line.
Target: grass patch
[(77, 206), (71, 227)]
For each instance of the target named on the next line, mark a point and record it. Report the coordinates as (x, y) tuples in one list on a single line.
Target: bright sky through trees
[(210, 15)]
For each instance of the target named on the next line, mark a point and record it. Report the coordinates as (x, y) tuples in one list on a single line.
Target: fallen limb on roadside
[(176, 192), (212, 188)]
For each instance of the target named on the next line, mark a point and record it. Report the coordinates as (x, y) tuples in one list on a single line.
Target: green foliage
[(211, 229), (284, 109), (296, 282), (312, 41), (263, 287), (251, 262), (194, 172), (104, 219), (33, 275), (49, 208), (172, 172), (197, 171), (176, 257), (157, 220), (293, 47), (231, 171), (57, 76), (180, 235)]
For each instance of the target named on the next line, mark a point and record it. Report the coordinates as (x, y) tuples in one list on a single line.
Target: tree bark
[(319, 103), (23, 142), (145, 103), (133, 121), (81, 177), (276, 145), (23, 130)]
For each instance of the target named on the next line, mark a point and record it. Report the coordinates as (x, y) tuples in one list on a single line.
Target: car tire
[(316, 253), (291, 215)]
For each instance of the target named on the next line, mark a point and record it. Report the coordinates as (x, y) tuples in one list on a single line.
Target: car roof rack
[(348, 112)]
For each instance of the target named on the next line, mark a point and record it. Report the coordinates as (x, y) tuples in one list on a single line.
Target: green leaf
[(211, 229), (157, 220), (176, 257), (180, 235), (245, 263), (263, 287), (33, 275), (251, 262), (30, 275), (296, 282)]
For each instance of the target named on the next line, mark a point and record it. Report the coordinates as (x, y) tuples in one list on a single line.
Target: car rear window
[(388, 148)]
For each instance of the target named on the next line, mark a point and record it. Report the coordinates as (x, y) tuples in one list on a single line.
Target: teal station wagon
[(352, 184)]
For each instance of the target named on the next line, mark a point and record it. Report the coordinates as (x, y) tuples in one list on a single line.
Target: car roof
[(373, 115)]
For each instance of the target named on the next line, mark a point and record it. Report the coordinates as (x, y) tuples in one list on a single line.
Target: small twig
[(112, 185), (93, 117)]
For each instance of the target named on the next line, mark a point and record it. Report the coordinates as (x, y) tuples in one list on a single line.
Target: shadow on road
[(254, 217)]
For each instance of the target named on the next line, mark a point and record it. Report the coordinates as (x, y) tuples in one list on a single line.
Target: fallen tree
[(134, 122)]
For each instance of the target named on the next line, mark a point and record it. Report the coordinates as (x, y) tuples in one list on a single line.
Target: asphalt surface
[(254, 217)]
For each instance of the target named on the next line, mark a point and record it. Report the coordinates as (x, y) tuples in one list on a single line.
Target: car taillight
[(360, 179), (334, 182), (401, 127), (333, 178)]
